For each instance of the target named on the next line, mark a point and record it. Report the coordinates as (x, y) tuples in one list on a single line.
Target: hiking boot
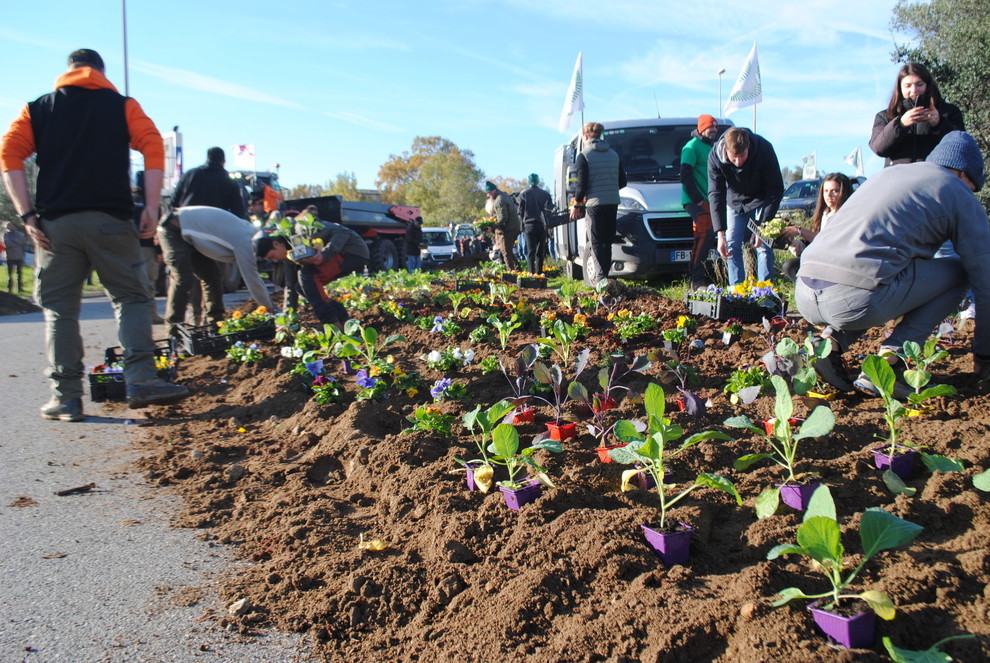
[(56, 410), (833, 370), (155, 392)]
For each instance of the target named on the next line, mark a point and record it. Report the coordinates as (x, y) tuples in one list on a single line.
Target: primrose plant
[(819, 538), (648, 450), (505, 451), (358, 341)]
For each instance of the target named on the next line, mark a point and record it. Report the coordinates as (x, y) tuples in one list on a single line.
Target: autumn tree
[(509, 184), (791, 174), (436, 175), (951, 38)]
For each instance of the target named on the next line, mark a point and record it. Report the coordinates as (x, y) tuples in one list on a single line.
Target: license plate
[(681, 255)]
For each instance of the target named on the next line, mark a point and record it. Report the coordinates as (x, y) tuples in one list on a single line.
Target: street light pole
[(123, 14), (719, 74)]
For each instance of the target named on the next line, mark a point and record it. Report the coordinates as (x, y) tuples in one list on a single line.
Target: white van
[(438, 246)]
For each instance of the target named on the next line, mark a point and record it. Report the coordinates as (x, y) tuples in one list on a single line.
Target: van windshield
[(437, 238), (650, 154)]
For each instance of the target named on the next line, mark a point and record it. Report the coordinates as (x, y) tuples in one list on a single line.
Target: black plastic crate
[(725, 309), (202, 341), (112, 386)]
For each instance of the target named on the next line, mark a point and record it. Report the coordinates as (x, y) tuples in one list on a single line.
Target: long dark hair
[(845, 190), (894, 108)]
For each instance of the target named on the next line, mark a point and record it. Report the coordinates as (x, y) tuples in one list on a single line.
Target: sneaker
[(833, 370), (57, 410), (901, 388), (155, 392)]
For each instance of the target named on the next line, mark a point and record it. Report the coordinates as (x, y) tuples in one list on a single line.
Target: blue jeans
[(924, 294), (735, 235), (414, 262)]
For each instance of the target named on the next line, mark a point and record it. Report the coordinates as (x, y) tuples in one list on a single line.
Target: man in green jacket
[(694, 196)]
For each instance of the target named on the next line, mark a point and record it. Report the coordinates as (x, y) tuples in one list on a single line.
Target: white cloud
[(203, 83)]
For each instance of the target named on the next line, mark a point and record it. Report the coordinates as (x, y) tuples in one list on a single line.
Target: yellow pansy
[(237, 315), (411, 392)]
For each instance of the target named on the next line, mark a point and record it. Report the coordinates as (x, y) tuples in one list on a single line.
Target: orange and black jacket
[(82, 133)]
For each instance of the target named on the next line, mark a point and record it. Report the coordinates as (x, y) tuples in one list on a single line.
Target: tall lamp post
[(719, 74), (123, 15)]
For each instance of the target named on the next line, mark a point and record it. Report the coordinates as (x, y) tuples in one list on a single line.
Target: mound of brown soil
[(295, 486), (11, 304)]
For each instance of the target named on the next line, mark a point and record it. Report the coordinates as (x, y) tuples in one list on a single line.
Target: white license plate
[(681, 255)]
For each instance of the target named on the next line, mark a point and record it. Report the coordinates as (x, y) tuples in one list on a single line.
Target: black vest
[(83, 152)]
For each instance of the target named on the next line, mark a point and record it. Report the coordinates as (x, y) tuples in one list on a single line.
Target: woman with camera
[(835, 189), (915, 119)]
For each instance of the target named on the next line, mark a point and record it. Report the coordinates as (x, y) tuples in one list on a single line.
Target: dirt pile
[(295, 486)]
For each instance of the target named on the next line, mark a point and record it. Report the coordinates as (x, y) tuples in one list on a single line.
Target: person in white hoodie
[(194, 239)]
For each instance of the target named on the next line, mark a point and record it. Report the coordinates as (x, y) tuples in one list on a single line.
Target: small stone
[(747, 610), (239, 607), (297, 429), (356, 582), (363, 454), (196, 454), (356, 616), (234, 472), (234, 422), (449, 587)]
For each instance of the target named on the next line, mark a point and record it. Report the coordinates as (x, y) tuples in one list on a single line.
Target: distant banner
[(855, 159), (810, 162), (748, 90), (244, 157), (574, 101)]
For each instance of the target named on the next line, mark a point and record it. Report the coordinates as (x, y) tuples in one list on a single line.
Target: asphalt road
[(99, 576)]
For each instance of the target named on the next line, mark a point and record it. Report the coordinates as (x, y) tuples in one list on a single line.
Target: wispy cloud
[(202, 83), (363, 121)]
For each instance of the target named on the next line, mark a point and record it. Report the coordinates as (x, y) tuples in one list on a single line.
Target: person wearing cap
[(874, 262), (81, 134), (194, 240), (344, 252), (600, 177), (533, 202), (744, 179), (507, 224), (694, 196)]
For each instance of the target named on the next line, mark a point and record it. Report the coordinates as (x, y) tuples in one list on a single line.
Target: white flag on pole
[(855, 159), (244, 157), (810, 162), (574, 101), (748, 89)]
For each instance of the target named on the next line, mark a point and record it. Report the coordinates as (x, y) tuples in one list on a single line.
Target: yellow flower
[(237, 315), (682, 320), (411, 392), (374, 370), (390, 359), (398, 374), (261, 310), (624, 313), (431, 409), (580, 319)]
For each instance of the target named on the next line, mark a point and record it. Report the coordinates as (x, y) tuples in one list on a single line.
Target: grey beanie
[(958, 150), (533, 179)]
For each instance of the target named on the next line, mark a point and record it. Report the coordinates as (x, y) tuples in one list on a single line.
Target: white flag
[(574, 101), (810, 162), (244, 157), (748, 89), (855, 159)]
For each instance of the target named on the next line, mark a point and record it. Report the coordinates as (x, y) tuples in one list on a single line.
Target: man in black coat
[(210, 185), (532, 204)]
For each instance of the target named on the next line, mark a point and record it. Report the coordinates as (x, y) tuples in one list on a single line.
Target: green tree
[(306, 191), (791, 174), (436, 175), (951, 38), (345, 186)]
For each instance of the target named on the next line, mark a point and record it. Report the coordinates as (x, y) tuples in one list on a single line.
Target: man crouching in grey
[(874, 262)]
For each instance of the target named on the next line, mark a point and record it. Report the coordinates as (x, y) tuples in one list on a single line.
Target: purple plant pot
[(857, 632), (673, 548), (347, 367), (797, 496), (903, 464), (516, 498), (472, 465)]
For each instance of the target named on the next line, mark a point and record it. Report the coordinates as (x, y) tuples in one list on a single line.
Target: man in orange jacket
[(81, 220)]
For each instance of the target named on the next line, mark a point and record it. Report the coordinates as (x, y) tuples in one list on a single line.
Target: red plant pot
[(857, 632), (681, 403), (768, 424), (605, 404), (672, 548), (603, 453), (525, 417), (561, 432), (515, 498)]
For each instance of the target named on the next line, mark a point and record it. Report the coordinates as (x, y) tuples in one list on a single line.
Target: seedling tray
[(202, 341), (725, 309), (112, 386), (532, 282), (466, 285)]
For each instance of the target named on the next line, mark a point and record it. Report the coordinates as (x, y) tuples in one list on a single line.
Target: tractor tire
[(384, 256)]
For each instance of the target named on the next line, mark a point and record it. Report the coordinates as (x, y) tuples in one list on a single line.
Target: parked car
[(438, 246), (802, 196)]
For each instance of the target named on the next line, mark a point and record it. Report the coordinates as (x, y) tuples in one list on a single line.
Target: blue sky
[(322, 87)]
